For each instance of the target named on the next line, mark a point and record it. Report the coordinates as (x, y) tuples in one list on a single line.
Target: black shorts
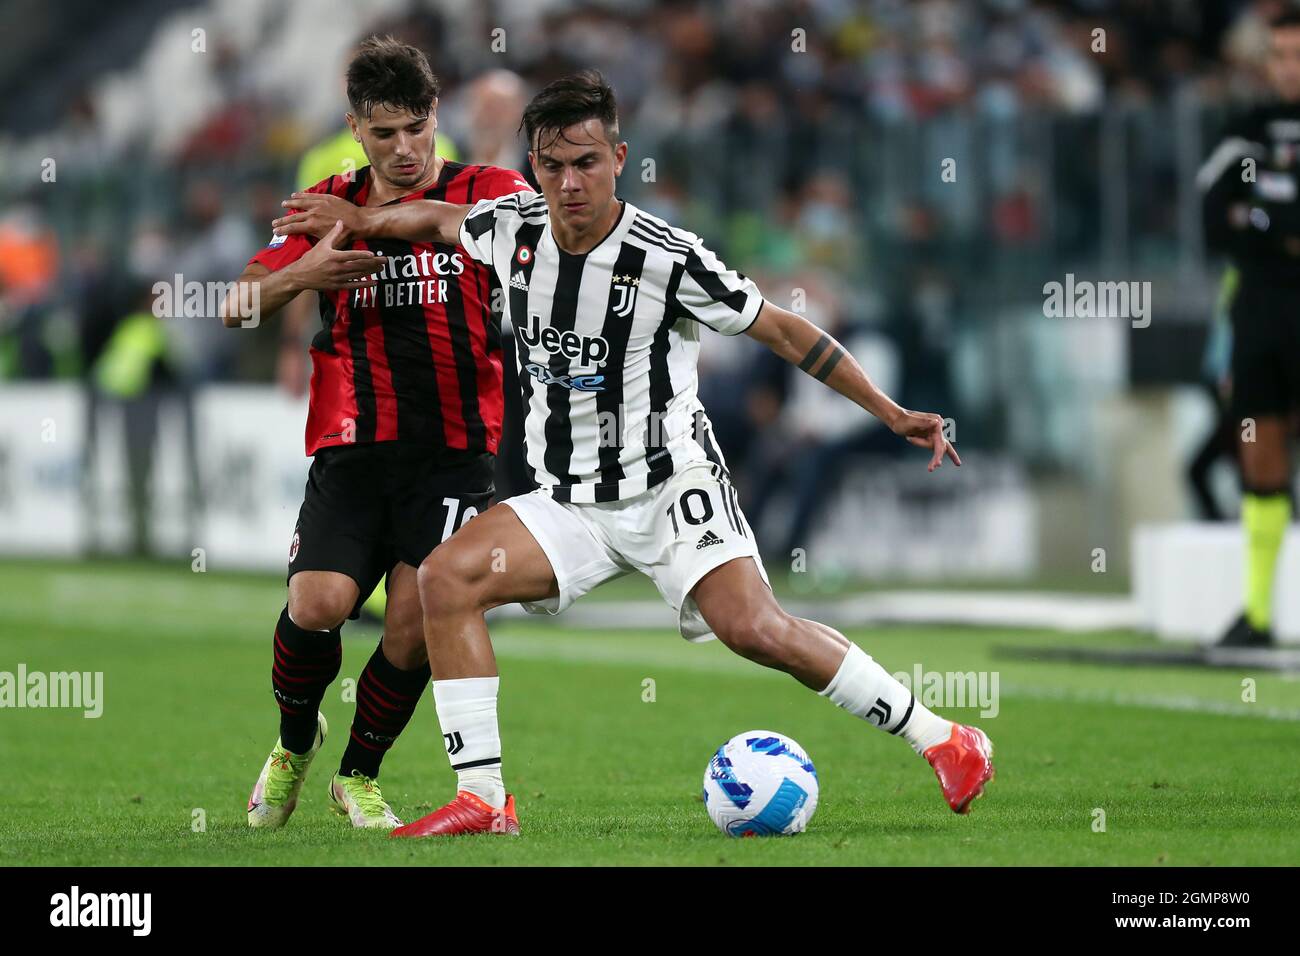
[(1265, 351), (368, 507)]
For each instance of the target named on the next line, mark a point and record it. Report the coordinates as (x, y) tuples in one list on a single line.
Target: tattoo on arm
[(828, 366), (816, 352)]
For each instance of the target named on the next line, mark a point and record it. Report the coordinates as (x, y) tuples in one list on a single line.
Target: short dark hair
[(1286, 20), (571, 99), (387, 72)]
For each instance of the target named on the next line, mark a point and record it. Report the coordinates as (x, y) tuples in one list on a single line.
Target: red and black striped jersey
[(418, 356)]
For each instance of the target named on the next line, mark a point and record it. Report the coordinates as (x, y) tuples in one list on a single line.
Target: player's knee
[(320, 609), (448, 582)]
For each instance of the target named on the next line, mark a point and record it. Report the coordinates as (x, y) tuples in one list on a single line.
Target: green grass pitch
[(1185, 772)]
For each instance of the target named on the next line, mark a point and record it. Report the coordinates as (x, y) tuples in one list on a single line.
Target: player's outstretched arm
[(420, 220), (801, 343), (260, 293)]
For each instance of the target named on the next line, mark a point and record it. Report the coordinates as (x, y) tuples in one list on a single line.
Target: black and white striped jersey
[(608, 343)]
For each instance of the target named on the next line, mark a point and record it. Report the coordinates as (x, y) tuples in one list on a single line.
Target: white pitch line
[(1019, 609), (588, 651), (1182, 703)]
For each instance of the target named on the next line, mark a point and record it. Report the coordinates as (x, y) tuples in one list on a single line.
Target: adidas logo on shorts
[(708, 539)]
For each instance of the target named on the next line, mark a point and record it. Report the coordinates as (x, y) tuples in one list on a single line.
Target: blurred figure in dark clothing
[(1221, 440)]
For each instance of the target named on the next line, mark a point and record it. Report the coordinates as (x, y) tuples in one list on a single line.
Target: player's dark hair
[(1288, 19), (571, 99), (387, 72)]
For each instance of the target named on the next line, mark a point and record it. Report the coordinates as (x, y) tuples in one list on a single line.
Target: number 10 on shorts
[(696, 508), (452, 525)]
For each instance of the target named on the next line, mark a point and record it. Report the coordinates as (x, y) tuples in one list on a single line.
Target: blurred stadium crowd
[(804, 140)]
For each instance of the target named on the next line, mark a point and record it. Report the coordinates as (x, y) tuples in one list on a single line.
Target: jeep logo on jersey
[(625, 288), (585, 350)]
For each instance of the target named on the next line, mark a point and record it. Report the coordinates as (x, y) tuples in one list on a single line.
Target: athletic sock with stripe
[(467, 711), (867, 690), (305, 664), (386, 698)]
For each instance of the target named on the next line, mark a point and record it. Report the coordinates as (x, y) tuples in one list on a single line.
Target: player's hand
[(327, 267), (925, 430), (314, 214)]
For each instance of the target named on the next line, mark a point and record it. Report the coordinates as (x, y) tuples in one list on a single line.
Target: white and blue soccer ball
[(760, 784)]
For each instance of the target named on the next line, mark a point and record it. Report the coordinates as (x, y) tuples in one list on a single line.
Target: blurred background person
[(1252, 213)]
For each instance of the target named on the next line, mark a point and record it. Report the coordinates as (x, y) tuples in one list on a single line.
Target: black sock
[(386, 699), (306, 663)]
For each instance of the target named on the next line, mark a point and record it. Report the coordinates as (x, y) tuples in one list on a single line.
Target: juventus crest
[(625, 289)]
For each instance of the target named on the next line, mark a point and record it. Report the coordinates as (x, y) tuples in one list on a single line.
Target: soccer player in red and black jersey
[(404, 421)]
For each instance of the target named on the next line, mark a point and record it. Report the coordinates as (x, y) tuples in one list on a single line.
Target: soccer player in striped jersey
[(403, 425), (608, 305)]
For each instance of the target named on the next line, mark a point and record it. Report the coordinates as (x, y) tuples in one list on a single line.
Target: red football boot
[(468, 813), (963, 764)]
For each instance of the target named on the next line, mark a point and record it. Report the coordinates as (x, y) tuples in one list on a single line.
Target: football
[(760, 783)]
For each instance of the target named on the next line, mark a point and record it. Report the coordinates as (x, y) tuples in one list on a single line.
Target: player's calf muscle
[(745, 616), (758, 634), (404, 646), (806, 650), (404, 640), (404, 620)]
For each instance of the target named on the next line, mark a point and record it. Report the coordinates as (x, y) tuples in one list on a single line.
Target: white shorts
[(675, 533)]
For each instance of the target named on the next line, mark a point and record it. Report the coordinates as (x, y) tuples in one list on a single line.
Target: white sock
[(467, 711), (867, 690)]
